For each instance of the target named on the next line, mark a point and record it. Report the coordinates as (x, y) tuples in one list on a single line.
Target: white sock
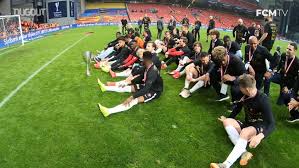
[(187, 83), (232, 133), (119, 89), (122, 107), (198, 85), (179, 67), (125, 73), (183, 72), (121, 83), (238, 150)]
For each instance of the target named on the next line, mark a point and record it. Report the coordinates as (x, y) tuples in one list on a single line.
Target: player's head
[(268, 18), (167, 35), (220, 55), (258, 26), (253, 24), (147, 58), (253, 42), (183, 41), (150, 46), (227, 41), (240, 21), (291, 49), (205, 58), (211, 17), (134, 44), (185, 28), (215, 34), (117, 34), (140, 52), (247, 84), (197, 46), (121, 41)]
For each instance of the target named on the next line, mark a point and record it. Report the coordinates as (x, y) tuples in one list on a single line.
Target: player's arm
[(268, 118), (151, 78)]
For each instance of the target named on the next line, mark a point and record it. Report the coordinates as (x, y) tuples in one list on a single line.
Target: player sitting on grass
[(110, 49), (195, 56), (259, 122), (142, 93), (198, 73), (136, 75), (106, 63), (178, 54), (293, 108)]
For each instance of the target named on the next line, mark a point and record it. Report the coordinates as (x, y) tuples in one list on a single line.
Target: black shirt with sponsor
[(211, 24), (257, 58), (169, 43), (171, 25), (233, 48), (153, 82), (271, 29), (257, 110), (185, 21), (203, 69), (234, 68), (251, 31), (123, 54), (146, 21), (289, 71), (214, 44), (197, 25), (190, 38), (240, 31)]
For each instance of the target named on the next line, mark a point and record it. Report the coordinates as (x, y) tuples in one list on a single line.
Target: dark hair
[(215, 32), (118, 32), (122, 38), (294, 45), (147, 56), (185, 40), (197, 44), (204, 54), (226, 38), (153, 43)]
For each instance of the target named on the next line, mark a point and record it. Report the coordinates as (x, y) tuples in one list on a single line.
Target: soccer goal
[(10, 31)]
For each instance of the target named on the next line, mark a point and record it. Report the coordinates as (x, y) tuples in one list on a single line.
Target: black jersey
[(271, 29), (288, 71), (211, 24), (257, 110), (203, 69), (257, 58), (152, 82), (239, 32), (233, 47)]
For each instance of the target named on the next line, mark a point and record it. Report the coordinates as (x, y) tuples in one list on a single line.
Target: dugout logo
[(29, 12), (271, 12)]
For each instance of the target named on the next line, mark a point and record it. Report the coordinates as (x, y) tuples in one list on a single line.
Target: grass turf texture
[(54, 121)]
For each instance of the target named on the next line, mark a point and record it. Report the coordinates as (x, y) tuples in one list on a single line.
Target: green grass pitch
[(54, 121)]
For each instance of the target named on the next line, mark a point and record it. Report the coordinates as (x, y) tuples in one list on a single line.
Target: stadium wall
[(5, 7)]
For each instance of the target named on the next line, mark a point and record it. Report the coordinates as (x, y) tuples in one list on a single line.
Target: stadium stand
[(114, 12), (241, 4)]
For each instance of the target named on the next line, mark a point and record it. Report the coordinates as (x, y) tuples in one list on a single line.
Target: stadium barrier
[(33, 35)]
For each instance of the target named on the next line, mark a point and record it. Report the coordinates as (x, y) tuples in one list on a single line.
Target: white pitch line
[(8, 97)]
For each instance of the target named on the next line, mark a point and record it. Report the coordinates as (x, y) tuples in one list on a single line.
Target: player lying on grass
[(197, 73), (259, 122), (151, 88)]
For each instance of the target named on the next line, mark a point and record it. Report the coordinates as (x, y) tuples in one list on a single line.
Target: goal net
[(10, 31)]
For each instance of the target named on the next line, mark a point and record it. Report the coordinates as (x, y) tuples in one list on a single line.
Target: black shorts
[(259, 127), (151, 95)]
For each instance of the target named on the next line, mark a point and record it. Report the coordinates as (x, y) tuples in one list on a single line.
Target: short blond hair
[(219, 53)]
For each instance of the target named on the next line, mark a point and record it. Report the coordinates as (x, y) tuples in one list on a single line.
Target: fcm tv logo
[(269, 12)]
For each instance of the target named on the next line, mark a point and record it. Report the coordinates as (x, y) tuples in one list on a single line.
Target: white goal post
[(10, 31)]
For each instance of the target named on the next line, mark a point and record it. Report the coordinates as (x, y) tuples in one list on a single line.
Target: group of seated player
[(223, 66)]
